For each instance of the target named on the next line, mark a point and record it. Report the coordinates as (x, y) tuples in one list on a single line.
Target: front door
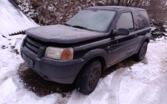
[(123, 45)]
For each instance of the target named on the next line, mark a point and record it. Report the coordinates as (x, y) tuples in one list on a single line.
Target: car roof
[(115, 8)]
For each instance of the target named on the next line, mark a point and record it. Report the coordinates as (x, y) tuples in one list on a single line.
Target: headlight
[(64, 54)]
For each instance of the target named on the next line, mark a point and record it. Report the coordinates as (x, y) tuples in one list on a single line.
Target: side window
[(125, 21), (142, 20)]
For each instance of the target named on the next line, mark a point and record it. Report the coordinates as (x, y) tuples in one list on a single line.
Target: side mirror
[(121, 32)]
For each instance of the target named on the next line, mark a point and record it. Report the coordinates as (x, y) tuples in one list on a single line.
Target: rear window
[(142, 19)]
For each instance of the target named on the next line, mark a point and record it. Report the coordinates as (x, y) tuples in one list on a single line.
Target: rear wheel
[(89, 77), (142, 52)]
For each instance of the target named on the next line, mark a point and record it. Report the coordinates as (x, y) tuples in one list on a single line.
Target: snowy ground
[(135, 83), (131, 83)]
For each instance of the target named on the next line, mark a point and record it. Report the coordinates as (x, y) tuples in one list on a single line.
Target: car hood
[(62, 34)]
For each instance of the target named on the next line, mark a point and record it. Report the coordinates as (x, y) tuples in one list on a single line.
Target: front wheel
[(142, 52), (89, 77)]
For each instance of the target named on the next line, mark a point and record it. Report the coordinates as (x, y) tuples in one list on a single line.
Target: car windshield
[(96, 20)]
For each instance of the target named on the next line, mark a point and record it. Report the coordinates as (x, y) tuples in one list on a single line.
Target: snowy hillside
[(12, 20)]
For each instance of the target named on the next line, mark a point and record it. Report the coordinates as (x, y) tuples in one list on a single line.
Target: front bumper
[(53, 70)]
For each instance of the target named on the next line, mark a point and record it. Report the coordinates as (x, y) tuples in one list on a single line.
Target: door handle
[(108, 47)]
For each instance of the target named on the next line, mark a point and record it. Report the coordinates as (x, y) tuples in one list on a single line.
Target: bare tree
[(58, 11)]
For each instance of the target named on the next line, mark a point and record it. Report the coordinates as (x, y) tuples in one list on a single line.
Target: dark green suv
[(92, 41)]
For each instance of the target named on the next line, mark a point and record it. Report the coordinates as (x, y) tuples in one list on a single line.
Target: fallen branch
[(18, 33)]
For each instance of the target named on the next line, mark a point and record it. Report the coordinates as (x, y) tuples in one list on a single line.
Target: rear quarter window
[(142, 19), (125, 21)]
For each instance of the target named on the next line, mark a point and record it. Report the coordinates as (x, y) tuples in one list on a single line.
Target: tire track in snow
[(102, 91), (154, 92), (116, 82)]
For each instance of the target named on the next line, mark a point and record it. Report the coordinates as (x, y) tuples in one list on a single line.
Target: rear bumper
[(53, 70)]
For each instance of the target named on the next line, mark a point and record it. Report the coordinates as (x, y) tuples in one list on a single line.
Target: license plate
[(28, 61)]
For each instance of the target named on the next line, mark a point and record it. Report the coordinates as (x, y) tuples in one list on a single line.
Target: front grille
[(33, 45)]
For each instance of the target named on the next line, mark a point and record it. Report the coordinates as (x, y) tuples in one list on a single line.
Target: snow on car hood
[(62, 34)]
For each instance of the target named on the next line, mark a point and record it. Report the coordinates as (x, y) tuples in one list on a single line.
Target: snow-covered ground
[(138, 83)]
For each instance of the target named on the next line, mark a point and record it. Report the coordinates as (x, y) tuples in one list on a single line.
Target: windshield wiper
[(67, 24), (81, 27), (76, 26)]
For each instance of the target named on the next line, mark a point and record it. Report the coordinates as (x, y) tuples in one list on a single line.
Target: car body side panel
[(93, 50)]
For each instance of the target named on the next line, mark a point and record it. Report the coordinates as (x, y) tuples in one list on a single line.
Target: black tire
[(89, 77), (142, 52)]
